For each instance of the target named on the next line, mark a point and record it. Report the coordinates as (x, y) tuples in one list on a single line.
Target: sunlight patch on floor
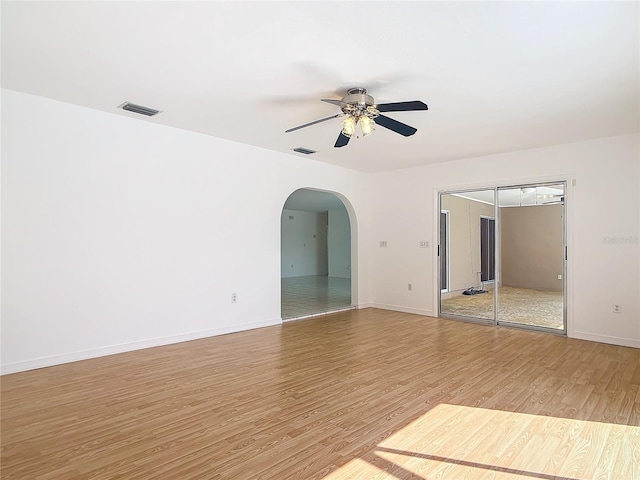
[(452, 441), (358, 469)]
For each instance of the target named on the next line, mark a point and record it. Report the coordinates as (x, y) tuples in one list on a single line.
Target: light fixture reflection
[(367, 125), (349, 126)]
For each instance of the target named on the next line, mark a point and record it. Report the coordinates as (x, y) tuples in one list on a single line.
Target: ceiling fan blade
[(313, 123), (402, 106), (395, 125), (339, 103), (342, 140)]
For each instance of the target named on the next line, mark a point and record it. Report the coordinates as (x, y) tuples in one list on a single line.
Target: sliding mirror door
[(532, 256), (467, 254), (509, 270)]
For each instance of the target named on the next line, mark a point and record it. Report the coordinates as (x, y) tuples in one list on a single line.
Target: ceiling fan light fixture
[(349, 125), (367, 125), (359, 107)]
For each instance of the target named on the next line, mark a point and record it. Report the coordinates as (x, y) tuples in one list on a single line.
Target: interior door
[(487, 249)]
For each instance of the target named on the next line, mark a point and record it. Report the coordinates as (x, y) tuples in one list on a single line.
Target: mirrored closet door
[(467, 254), (502, 255), (532, 251)]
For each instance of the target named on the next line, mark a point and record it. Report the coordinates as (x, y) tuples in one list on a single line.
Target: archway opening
[(316, 255)]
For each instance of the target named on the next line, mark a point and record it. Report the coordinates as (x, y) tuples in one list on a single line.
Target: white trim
[(128, 347), (592, 337), (362, 306), (400, 308), (321, 314)]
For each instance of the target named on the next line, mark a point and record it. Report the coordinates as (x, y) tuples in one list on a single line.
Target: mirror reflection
[(527, 283), (467, 227), (531, 256)]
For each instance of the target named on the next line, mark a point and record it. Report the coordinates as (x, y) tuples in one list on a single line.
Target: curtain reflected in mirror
[(467, 254)]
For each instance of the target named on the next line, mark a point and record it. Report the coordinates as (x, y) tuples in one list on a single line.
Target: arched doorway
[(316, 255)]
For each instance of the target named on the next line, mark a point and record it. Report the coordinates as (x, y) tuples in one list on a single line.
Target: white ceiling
[(497, 76)]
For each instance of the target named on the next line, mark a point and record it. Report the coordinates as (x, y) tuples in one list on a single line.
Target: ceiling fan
[(359, 108)]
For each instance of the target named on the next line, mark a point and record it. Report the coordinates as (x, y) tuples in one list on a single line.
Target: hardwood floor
[(359, 394)]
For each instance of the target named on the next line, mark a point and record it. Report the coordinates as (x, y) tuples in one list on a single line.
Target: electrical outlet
[(234, 298), (410, 287), (617, 308), (424, 244), (383, 243), (559, 277)]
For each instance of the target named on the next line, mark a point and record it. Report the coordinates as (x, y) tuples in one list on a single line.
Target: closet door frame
[(497, 256)]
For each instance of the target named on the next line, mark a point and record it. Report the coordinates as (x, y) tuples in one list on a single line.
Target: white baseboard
[(321, 314), (364, 305), (128, 347), (623, 342), (400, 308)]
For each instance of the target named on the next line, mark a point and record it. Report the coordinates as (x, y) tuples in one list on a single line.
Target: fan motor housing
[(358, 96), (356, 101)]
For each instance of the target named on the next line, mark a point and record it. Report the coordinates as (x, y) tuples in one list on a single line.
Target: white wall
[(339, 238), (118, 233), (603, 215), (304, 244)]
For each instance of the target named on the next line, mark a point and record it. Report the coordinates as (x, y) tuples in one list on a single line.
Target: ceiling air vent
[(306, 151), (132, 107)]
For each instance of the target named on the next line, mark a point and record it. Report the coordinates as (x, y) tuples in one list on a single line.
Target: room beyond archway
[(315, 255)]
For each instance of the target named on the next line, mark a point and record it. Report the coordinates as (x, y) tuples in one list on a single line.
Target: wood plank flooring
[(359, 394)]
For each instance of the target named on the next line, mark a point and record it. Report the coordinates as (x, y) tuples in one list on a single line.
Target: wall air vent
[(132, 107), (306, 151)]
